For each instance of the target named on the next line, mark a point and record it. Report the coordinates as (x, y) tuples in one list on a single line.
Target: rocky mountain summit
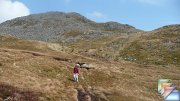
[(62, 27)]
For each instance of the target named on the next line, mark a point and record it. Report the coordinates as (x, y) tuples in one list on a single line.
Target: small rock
[(87, 66)]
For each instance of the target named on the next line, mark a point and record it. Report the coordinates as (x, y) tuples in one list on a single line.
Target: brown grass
[(50, 73)]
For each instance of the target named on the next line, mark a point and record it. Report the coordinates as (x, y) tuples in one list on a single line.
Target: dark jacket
[(76, 70)]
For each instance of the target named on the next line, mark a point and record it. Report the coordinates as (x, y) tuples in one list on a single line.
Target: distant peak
[(173, 26), (74, 13)]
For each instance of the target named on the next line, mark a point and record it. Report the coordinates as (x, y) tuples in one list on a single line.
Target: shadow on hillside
[(10, 93), (71, 79)]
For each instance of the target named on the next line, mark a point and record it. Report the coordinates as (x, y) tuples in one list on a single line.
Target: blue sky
[(142, 14)]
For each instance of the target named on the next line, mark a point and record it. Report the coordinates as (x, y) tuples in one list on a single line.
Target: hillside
[(161, 47), (106, 41), (61, 27), (43, 74)]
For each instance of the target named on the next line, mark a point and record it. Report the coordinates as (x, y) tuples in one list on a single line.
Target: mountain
[(110, 41), (118, 62), (61, 27)]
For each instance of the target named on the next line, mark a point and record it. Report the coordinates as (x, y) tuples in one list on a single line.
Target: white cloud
[(96, 14), (10, 9)]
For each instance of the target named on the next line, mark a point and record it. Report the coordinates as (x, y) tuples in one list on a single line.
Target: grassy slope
[(51, 79), (14, 43), (106, 48), (38, 70), (160, 47)]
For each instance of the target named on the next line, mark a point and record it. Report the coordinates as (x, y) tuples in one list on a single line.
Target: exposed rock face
[(110, 26), (61, 27)]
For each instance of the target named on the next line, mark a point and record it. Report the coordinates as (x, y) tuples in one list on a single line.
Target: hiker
[(76, 72)]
